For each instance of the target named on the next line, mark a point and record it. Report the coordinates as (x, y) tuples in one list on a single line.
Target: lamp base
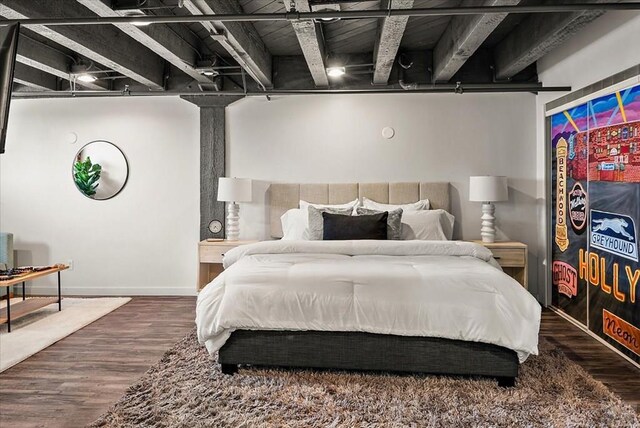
[(488, 230), (233, 221)]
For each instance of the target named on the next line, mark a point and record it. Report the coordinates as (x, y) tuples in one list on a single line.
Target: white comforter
[(410, 288)]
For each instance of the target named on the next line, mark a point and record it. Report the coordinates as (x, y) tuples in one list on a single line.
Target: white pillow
[(431, 225), (416, 206), (353, 204), (294, 225)]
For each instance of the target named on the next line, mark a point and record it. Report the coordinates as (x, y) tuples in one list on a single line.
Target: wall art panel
[(596, 214)]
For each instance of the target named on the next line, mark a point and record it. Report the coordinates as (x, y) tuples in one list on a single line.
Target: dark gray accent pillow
[(394, 221), (343, 227), (315, 225)]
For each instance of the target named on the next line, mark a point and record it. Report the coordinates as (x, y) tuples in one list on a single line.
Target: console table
[(25, 307)]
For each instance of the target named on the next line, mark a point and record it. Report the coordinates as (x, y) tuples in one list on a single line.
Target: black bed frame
[(366, 351)]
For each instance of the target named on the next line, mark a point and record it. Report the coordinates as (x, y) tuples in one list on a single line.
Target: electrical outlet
[(70, 264)]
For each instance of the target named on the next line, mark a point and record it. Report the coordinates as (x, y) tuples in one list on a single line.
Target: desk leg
[(59, 297), (8, 310), (23, 291)]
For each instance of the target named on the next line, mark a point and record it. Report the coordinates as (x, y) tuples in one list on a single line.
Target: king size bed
[(414, 305)]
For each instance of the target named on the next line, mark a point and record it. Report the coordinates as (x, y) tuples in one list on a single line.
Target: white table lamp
[(488, 189), (233, 190)]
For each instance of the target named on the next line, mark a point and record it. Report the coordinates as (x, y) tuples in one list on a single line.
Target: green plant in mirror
[(86, 176)]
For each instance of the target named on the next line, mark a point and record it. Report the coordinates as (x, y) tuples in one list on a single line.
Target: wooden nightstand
[(512, 257), (210, 255)]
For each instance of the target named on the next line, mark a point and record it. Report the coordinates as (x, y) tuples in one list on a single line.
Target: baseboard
[(116, 291), (592, 334)]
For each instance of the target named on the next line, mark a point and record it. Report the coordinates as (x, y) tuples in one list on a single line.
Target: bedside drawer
[(212, 254), (509, 256)]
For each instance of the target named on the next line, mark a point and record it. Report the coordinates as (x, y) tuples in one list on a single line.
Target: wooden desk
[(25, 307)]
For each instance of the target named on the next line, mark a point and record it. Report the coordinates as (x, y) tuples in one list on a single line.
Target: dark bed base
[(366, 351)]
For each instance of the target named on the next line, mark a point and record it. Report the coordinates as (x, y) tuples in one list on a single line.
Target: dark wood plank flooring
[(72, 382), (619, 375)]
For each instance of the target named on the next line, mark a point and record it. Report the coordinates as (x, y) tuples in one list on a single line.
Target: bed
[(438, 307)]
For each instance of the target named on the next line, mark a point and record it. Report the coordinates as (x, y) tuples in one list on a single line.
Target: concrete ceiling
[(283, 54)]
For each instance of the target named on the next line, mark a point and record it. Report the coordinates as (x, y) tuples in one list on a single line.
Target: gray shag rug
[(186, 389)]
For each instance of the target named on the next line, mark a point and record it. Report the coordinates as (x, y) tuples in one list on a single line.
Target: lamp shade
[(488, 188), (234, 189)]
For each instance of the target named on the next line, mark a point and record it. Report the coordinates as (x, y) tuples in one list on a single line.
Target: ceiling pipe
[(347, 14), (423, 89)]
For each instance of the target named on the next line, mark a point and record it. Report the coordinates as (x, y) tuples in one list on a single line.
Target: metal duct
[(457, 88), (348, 14)]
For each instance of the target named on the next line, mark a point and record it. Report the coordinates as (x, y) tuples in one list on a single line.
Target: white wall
[(605, 47), (143, 241), (438, 138)]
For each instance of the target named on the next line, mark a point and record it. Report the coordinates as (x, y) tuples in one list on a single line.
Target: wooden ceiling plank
[(45, 58), (240, 39), (390, 34), (536, 36), (309, 34), (34, 78), (463, 36), (103, 44), (158, 37)]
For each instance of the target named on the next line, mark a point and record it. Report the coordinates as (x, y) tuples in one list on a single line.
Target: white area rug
[(44, 327)]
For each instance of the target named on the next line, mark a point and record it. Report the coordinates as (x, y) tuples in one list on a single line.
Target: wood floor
[(72, 382), (75, 380), (619, 375)]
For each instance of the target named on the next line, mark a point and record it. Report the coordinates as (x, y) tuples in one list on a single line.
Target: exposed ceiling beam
[(45, 58), (463, 37), (159, 38), (390, 33), (309, 34), (536, 36), (240, 39), (34, 78), (103, 44)]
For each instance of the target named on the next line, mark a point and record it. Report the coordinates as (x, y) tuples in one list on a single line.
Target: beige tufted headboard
[(284, 196)]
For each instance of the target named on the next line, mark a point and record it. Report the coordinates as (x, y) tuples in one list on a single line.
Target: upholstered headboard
[(285, 196)]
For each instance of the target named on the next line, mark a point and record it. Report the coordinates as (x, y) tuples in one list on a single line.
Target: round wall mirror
[(100, 170)]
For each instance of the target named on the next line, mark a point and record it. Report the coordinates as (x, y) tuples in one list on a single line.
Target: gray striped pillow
[(394, 221)]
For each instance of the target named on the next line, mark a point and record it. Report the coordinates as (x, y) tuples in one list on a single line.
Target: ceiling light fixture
[(87, 78), (336, 71), (208, 67), (82, 71), (136, 13), (326, 8), (327, 20)]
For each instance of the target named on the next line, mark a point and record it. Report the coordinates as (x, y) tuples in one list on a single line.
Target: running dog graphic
[(618, 225)]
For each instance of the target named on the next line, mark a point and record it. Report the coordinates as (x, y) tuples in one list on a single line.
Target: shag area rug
[(187, 389)]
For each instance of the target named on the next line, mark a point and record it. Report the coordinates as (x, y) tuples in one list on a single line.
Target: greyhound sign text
[(614, 233)]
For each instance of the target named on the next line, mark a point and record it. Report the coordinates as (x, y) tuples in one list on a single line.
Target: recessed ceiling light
[(336, 71), (87, 78)]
